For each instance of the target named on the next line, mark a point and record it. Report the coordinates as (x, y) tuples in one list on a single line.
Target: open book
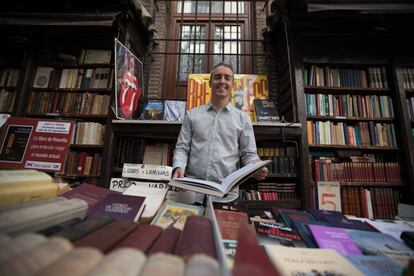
[(217, 189)]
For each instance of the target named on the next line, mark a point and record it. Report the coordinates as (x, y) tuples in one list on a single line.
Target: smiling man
[(214, 136)]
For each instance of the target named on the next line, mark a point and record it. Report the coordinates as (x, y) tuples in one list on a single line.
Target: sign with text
[(329, 196), (246, 88), (35, 144), (147, 172)]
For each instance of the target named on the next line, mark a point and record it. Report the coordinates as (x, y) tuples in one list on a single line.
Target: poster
[(35, 144), (128, 83), (329, 196), (246, 88)]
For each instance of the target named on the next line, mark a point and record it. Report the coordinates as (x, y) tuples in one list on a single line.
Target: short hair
[(228, 65)]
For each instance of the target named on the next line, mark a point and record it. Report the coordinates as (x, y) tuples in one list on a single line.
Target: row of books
[(6, 100), (361, 133), (374, 203), (268, 191), (88, 133), (83, 164), (9, 77), (129, 150), (281, 165), (159, 154), (92, 56), (408, 78), (68, 103), (372, 77), (356, 106), (336, 244), (274, 150), (328, 170)]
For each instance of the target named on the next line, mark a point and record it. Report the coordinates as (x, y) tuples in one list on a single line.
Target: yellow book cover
[(246, 88)]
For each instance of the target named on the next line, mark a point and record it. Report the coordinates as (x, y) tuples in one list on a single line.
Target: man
[(214, 136)]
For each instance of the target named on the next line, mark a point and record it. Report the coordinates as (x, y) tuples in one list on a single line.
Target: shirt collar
[(228, 107)]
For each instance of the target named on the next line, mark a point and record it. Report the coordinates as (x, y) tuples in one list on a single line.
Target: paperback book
[(270, 233), (174, 214), (217, 189)]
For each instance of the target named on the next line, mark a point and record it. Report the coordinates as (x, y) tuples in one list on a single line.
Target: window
[(204, 33)]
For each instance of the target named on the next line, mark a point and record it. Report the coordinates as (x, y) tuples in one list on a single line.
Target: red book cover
[(81, 163), (107, 237), (250, 258), (196, 238), (90, 193), (141, 238), (229, 223), (166, 242)]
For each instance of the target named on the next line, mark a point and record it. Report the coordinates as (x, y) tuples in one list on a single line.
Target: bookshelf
[(343, 80)]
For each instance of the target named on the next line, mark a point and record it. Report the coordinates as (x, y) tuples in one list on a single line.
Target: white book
[(219, 189)]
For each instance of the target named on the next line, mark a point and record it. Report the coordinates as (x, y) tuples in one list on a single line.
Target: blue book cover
[(371, 243), (153, 110), (375, 265), (289, 215), (302, 229)]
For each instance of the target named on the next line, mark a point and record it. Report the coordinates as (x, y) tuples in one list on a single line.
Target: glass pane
[(190, 60), (204, 7), (227, 43)]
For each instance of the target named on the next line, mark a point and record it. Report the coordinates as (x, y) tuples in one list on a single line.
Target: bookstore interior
[(95, 100)]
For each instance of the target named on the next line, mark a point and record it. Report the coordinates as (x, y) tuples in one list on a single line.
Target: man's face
[(221, 82)]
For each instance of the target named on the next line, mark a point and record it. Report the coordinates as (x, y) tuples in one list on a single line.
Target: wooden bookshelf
[(341, 118), (345, 147), (345, 90)]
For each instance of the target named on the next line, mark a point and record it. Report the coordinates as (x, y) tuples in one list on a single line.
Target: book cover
[(250, 257), (334, 238), (390, 228), (309, 261), (303, 230), (329, 196), (119, 206), (154, 194), (153, 110), (265, 110), (290, 215), (371, 243), (375, 265), (42, 77), (174, 214), (90, 193), (174, 110), (166, 242), (246, 88), (269, 233), (141, 238), (196, 238), (229, 223), (217, 189)]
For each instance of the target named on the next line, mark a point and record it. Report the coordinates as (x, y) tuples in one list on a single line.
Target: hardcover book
[(376, 265), (84, 228), (141, 238), (334, 238), (153, 110), (166, 242), (174, 110), (290, 215), (309, 261), (229, 223), (154, 194), (42, 77), (174, 214), (371, 243), (265, 110), (269, 233), (119, 206), (216, 189), (302, 228), (90, 193)]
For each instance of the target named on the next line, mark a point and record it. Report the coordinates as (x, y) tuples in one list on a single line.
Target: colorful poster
[(35, 144), (129, 83), (246, 89)]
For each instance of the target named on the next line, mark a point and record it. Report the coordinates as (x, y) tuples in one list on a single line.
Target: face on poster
[(35, 144), (129, 82)]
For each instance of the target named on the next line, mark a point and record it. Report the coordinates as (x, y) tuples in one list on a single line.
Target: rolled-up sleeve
[(183, 146)]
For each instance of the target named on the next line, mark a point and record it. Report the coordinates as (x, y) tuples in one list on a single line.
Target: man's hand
[(178, 172), (261, 174)]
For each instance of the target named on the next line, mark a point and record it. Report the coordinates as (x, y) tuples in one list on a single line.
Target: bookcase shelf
[(264, 204), (74, 90), (345, 90), (86, 146), (281, 176), (344, 147), (8, 88), (340, 118), (373, 184), (80, 66), (74, 116)]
